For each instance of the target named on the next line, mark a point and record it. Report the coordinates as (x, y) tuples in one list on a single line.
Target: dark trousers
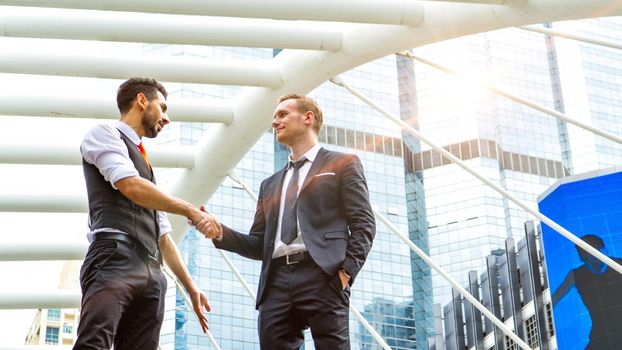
[(300, 296), (122, 299)]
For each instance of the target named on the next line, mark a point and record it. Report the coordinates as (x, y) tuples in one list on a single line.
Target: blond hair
[(307, 104)]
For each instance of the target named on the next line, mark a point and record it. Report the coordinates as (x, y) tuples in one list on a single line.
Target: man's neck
[(134, 123), (299, 149)]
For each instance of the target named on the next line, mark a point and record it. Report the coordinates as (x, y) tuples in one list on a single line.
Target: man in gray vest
[(123, 287)]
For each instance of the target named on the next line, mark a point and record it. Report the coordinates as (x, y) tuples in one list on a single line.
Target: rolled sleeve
[(102, 146), (165, 225)]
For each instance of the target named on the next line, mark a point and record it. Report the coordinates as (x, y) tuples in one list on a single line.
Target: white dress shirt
[(297, 244), (103, 147)]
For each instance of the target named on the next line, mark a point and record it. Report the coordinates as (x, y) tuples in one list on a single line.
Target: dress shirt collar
[(128, 131), (310, 154)]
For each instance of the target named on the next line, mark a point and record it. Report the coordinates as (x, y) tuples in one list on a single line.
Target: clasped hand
[(207, 224)]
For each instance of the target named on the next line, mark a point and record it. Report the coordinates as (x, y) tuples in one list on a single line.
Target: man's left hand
[(200, 306), (343, 278)]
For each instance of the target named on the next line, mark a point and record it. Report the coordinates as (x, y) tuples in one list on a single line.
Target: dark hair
[(127, 92), (306, 104), (592, 240)]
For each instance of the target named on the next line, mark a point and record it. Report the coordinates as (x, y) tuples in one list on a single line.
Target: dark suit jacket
[(334, 213)]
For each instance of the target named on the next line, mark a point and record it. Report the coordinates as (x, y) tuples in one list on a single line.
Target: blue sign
[(586, 294)]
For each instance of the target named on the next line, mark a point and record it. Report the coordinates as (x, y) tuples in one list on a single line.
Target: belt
[(123, 238), (291, 259)]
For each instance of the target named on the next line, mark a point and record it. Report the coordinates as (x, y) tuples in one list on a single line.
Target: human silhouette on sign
[(600, 289)]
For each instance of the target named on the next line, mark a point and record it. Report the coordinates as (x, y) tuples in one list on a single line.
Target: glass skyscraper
[(446, 211), (521, 149)]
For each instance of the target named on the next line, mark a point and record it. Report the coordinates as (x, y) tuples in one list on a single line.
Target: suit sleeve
[(247, 245), (359, 216)]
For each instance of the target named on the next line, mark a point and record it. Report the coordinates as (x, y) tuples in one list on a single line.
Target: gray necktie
[(289, 226)]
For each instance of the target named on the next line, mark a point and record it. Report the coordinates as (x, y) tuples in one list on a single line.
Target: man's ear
[(309, 117), (142, 100)]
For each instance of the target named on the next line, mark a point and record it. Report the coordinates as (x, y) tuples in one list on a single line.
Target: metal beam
[(571, 36), (40, 251), (180, 109), (159, 156), (172, 69), (151, 28), (55, 299), (401, 12), (42, 203)]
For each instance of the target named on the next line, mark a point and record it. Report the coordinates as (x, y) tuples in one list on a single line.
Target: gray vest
[(109, 208)]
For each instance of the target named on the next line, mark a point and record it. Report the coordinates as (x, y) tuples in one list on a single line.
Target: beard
[(150, 124)]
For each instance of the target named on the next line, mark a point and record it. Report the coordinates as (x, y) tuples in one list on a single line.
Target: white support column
[(54, 299), (152, 28), (174, 69), (401, 12), (42, 251), (571, 36), (42, 203), (180, 109), (166, 157)]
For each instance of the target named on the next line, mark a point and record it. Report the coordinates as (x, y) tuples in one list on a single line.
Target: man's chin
[(281, 139), (152, 134)]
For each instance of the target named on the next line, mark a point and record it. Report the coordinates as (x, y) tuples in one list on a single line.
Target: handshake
[(206, 223)]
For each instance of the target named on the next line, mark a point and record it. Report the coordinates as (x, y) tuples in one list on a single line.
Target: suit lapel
[(320, 159), (275, 203)]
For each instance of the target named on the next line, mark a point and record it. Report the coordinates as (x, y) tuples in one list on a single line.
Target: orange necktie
[(144, 153)]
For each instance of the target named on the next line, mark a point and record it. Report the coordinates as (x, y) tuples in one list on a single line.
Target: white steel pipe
[(179, 109), (42, 203), (571, 36), (172, 69), (40, 251), (543, 218), (159, 156), (150, 28), (402, 12), (54, 299), (489, 315), (182, 290), (521, 100), (372, 331)]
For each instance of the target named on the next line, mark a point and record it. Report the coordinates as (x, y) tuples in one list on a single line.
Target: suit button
[(272, 242)]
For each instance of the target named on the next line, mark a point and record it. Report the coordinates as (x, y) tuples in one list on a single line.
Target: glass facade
[(51, 335), (521, 149)]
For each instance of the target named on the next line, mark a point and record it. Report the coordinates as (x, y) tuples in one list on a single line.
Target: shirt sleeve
[(165, 225), (102, 146)]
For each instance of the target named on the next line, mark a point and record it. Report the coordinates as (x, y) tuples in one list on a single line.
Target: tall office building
[(522, 150), (57, 326)]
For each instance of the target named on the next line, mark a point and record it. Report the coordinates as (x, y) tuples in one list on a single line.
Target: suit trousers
[(301, 296), (122, 299)]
